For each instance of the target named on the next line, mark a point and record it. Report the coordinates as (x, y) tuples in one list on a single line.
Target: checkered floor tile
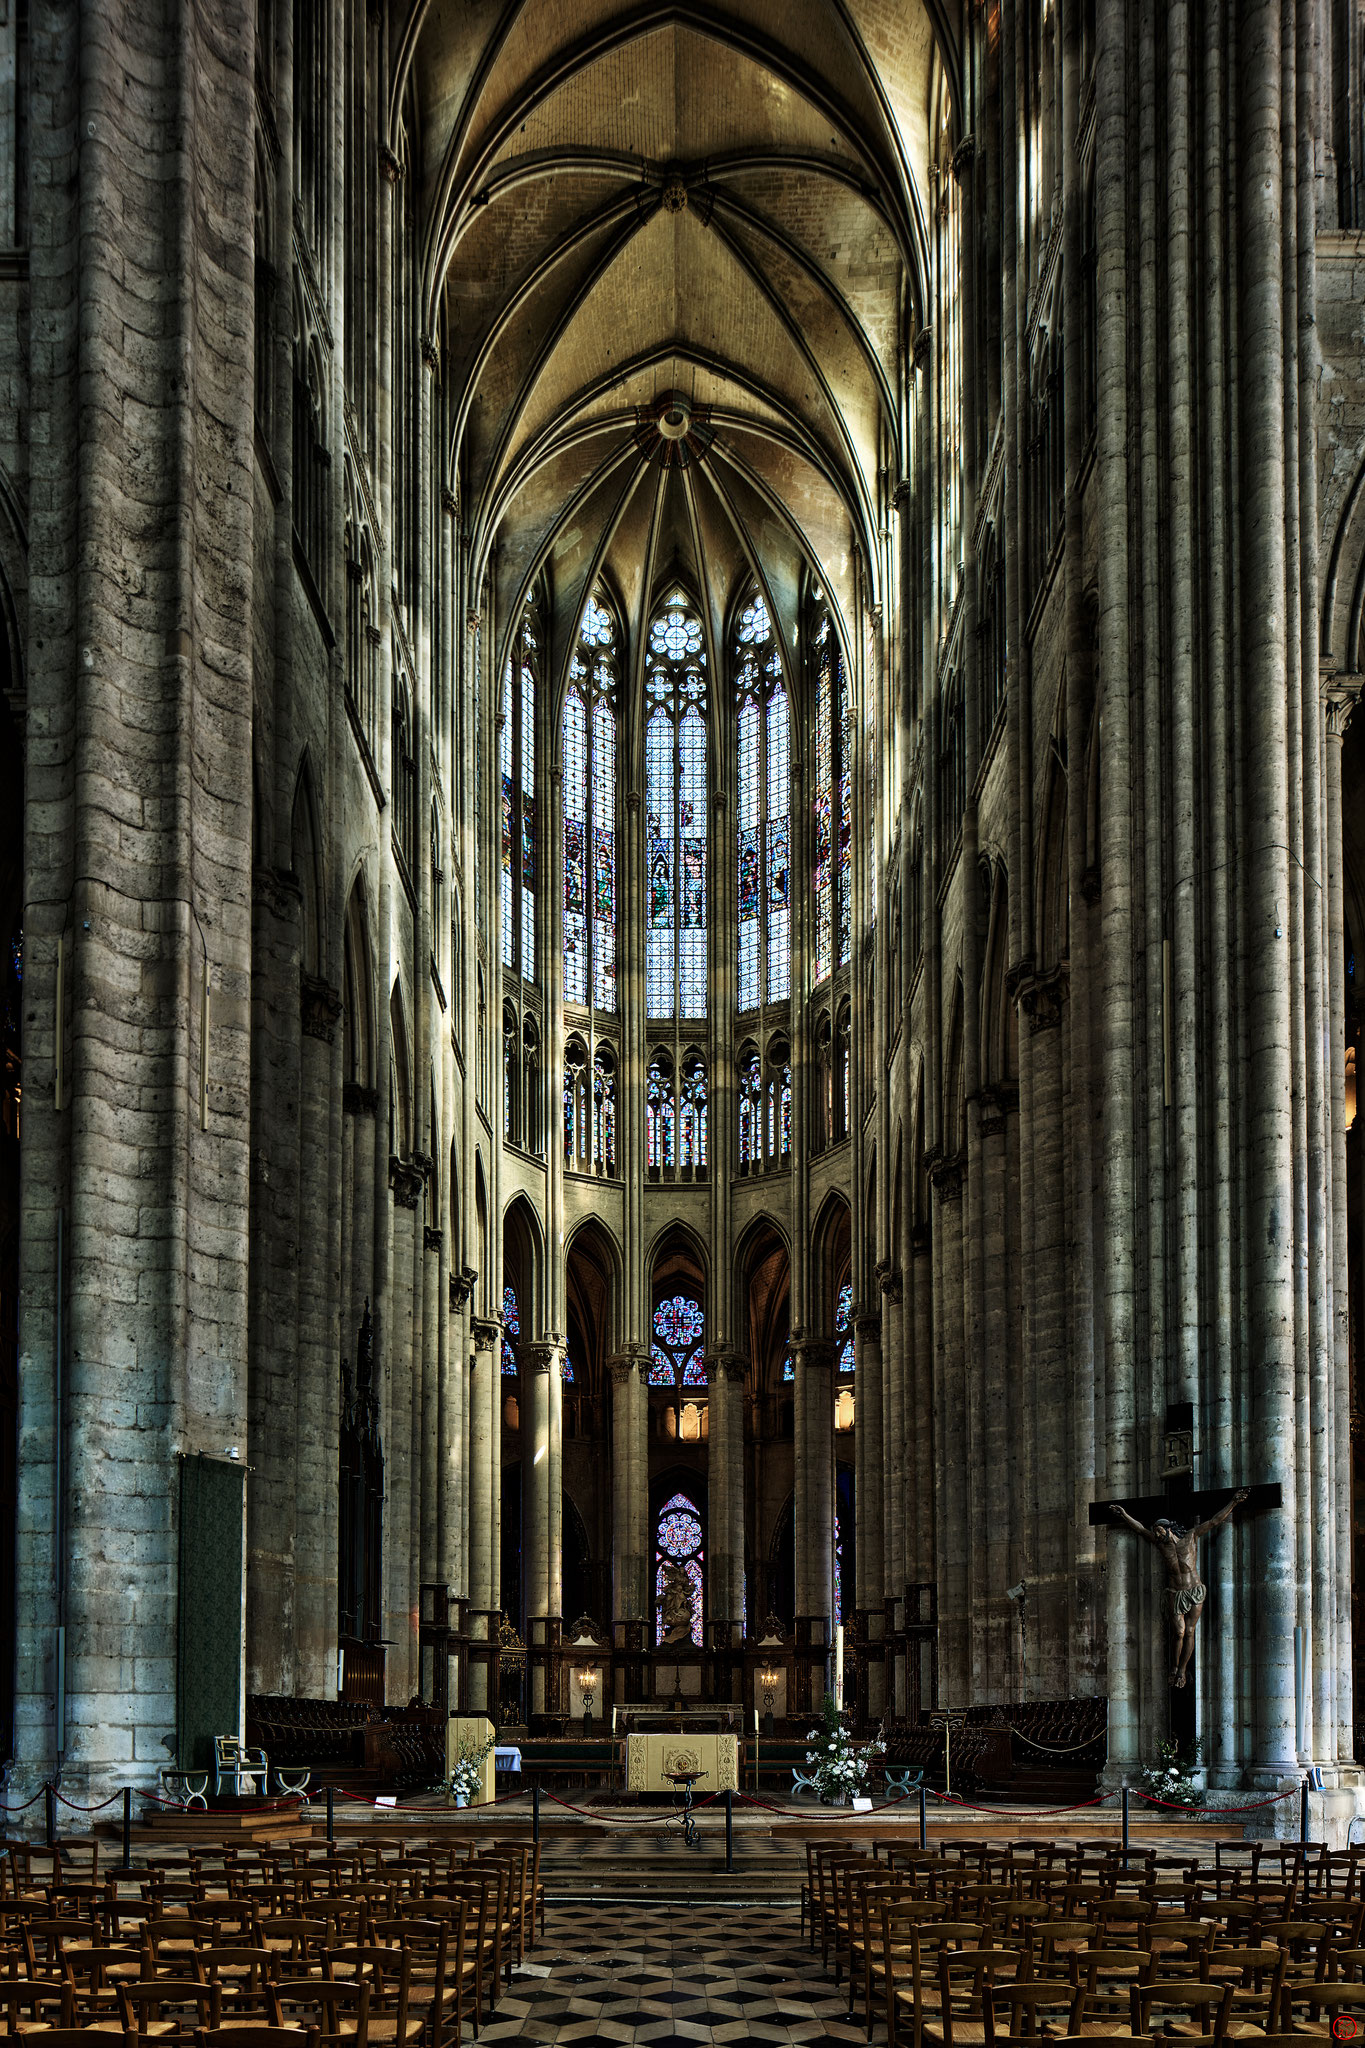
[(672, 1977)]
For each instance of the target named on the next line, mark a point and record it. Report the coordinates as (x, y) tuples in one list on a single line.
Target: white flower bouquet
[(841, 1765)]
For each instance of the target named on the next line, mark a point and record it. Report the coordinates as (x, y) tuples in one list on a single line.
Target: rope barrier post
[(127, 1827), (923, 1817), (1125, 1824), (1303, 1810), (729, 1831), (331, 1816), (535, 1811), (50, 1814)]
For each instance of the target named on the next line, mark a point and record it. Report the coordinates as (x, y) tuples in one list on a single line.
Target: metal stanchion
[(127, 1827), (331, 1816), (729, 1831), (50, 1813), (923, 1817), (1303, 1811), (1125, 1823), (535, 1811)]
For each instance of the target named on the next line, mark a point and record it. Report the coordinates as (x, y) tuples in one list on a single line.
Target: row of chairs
[(385, 1942), (965, 1944)]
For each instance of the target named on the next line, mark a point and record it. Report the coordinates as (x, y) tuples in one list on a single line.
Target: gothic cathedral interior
[(682, 857)]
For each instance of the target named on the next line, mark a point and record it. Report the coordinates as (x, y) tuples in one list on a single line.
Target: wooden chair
[(964, 1977), (1212, 2001), (39, 1995), (164, 2009), (342, 2010), (387, 1975)]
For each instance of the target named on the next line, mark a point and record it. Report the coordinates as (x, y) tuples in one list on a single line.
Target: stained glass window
[(692, 1114), (577, 1111), (590, 813), (833, 848), (843, 1327), (750, 1112), (676, 1354), (779, 1125), (660, 1114), (677, 1541), (763, 761), (604, 1111), (675, 812), (517, 760), (511, 1329), (566, 1372), (788, 1367)]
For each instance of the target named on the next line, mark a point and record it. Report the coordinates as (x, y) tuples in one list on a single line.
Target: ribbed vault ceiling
[(673, 253)]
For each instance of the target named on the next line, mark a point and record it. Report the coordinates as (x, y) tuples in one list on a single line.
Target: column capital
[(547, 1355), (867, 1324), (1340, 694), (812, 1351), (619, 1365), (725, 1363), (485, 1332), (462, 1286), (891, 1283), (320, 1006)]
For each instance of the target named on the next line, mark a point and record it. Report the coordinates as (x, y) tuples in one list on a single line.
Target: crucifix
[(1173, 1523)]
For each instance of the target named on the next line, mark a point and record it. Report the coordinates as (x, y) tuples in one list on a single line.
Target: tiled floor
[(671, 1978)]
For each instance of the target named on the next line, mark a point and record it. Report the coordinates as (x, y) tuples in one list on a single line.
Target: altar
[(707, 1741), (651, 1758)]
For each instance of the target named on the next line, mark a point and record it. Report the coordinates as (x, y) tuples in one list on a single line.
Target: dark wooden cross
[(1182, 1503)]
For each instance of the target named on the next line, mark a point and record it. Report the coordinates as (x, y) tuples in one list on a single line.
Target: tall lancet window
[(590, 813), (517, 749), (833, 862), (764, 790), (675, 806)]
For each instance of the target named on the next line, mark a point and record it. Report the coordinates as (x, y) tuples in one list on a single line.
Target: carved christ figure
[(1185, 1590)]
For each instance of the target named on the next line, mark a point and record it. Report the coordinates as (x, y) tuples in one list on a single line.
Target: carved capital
[(390, 169), (545, 1358), (431, 1238), (816, 1352), (964, 156), (277, 891), (947, 1176), (462, 1286), (406, 1180), (319, 1007), (891, 1282), (484, 1333), (633, 802), (431, 354), (920, 348), (995, 1101), (1041, 997), (358, 1100), (473, 620), (1340, 695), (902, 494), (620, 1367), (867, 1324), (450, 504), (921, 1240)]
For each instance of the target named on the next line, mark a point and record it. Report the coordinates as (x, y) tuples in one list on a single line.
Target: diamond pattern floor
[(671, 1977)]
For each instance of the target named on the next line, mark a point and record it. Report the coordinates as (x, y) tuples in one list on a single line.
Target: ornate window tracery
[(676, 796), (763, 808), (843, 1327), (604, 1111), (517, 760), (660, 1115), (589, 734), (679, 1342)]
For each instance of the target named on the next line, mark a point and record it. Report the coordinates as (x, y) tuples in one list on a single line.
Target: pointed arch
[(523, 1251), (358, 997), (306, 862), (400, 1098), (831, 1261)]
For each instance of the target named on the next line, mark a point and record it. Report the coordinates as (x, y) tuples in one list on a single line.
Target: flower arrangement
[(841, 1765), (1172, 1776), (466, 1773)]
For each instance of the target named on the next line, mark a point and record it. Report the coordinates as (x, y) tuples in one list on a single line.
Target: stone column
[(867, 1492), (320, 1338), (895, 1467), (485, 1458), (542, 1513), (621, 1367), (813, 1358), (1340, 693), (725, 1377)]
